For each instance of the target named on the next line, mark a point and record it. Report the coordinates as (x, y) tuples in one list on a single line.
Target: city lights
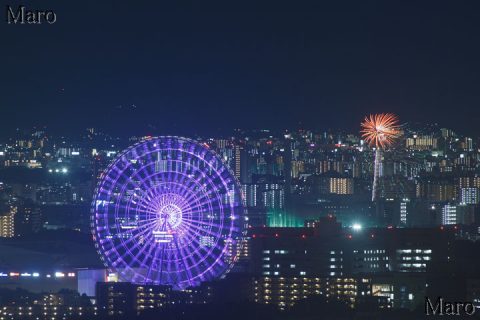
[(357, 227), (173, 161)]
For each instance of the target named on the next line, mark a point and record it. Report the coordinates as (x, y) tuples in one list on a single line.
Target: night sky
[(126, 66)]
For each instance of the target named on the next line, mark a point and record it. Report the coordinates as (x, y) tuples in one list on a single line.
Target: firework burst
[(380, 130)]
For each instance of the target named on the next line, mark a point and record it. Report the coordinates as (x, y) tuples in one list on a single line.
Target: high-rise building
[(436, 191), (310, 252), (469, 195), (447, 133), (449, 214), (273, 196), (125, 299), (250, 192), (63, 305), (7, 222), (330, 165), (298, 167), (469, 182), (404, 206), (266, 195), (467, 144), (238, 162), (286, 291), (222, 143), (341, 185), (331, 183), (420, 143), (290, 264)]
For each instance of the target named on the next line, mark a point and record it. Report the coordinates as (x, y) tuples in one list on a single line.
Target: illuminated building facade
[(469, 182), (469, 195), (264, 195), (251, 192), (449, 214), (399, 290), (436, 191), (321, 251), (239, 158), (413, 260), (7, 222), (420, 143), (286, 291), (331, 183), (52, 306), (341, 185), (273, 196), (404, 211), (387, 265), (123, 299), (396, 211)]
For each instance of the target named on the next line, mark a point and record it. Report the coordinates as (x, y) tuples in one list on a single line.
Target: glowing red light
[(276, 235)]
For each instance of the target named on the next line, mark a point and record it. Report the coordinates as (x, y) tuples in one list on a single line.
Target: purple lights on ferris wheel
[(167, 210)]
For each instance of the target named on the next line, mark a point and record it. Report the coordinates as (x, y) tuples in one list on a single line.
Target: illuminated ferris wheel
[(167, 210)]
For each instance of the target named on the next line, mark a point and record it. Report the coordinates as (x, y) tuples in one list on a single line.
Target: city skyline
[(422, 128), (239, 161), (312, 221)]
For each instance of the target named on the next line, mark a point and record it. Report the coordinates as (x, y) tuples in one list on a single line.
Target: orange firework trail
[(380, 130)]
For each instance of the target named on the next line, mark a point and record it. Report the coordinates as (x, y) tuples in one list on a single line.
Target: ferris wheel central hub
[(170, 215)]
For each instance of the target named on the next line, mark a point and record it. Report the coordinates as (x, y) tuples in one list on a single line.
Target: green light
[(279, 218)]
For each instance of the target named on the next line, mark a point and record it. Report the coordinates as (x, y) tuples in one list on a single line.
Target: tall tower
[(376, 173), (238, 161), (7, 223)]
